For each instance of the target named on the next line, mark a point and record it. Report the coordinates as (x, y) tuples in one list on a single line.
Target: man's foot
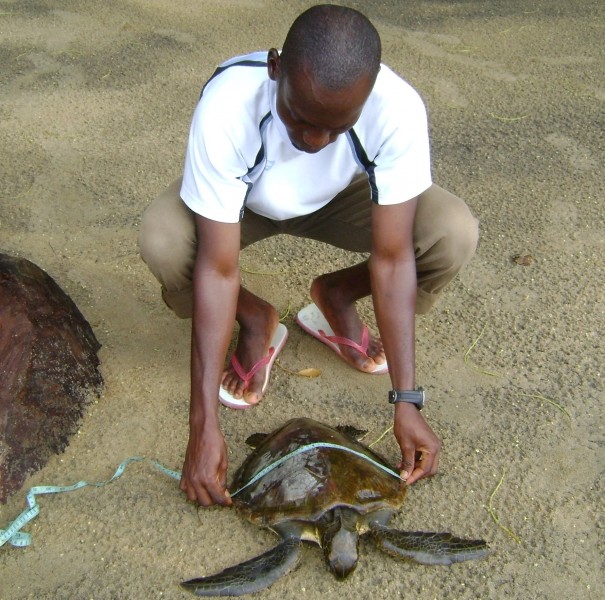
[(344, 321), (260, 340)]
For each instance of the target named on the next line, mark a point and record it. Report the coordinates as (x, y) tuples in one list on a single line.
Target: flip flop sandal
[(277, 343), (313, 322)]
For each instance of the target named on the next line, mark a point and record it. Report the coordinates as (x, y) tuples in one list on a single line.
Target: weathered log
[(48, 370)]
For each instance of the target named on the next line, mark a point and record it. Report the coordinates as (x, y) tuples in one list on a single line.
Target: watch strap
[(416, 397)]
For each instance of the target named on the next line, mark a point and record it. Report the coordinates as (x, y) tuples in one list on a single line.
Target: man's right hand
[(204, 475)]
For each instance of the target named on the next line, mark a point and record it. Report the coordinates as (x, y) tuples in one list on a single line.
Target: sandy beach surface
[(95, 104)]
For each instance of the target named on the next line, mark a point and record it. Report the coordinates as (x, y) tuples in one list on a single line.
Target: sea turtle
[(49, 369), (309, 481)]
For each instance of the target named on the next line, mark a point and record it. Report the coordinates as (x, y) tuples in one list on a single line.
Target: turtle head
[(340, 540)]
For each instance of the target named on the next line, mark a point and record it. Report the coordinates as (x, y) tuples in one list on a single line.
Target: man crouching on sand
[(320, 141)]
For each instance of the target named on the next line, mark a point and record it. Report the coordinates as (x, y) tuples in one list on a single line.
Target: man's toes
[(362, 363), (233, 385), (370, 365), (251, 397)]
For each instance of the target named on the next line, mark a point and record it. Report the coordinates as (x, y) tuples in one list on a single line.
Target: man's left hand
[(420, 447)]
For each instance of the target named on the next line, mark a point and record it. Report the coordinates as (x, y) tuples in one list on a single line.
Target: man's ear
[(273, 64)]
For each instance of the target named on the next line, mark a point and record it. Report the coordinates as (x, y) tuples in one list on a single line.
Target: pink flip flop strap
[(246, 377), (336, 339)]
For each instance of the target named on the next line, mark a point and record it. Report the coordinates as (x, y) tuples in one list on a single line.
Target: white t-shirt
[(239, 153)]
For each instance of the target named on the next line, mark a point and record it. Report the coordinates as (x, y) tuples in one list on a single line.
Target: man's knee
[(445, 237), (167, 240), (156, 244), (462, 235), (445, 227)]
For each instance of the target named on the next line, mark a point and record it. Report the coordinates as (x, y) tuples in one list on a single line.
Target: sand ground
[(95, 104)]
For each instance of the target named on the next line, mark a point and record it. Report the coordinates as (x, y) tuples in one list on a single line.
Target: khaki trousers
[(445, 238)]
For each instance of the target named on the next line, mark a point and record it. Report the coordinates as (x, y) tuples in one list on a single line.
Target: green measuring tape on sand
[(14, 536)]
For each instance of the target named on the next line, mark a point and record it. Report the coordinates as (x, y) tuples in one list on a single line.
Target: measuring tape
[(307, 448), (12, 533), (14, 536)]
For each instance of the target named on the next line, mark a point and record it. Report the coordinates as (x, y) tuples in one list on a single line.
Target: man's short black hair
[(336, 44)]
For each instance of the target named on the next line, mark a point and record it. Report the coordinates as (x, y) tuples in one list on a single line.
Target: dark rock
[(48, 370)]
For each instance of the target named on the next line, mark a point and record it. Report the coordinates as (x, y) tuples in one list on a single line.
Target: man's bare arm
[(216, 282), (393, 274)]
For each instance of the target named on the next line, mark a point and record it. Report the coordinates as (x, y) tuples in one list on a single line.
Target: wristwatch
[(417, 397)]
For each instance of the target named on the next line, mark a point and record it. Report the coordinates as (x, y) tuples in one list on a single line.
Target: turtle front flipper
[(250, 576), (427, 548)]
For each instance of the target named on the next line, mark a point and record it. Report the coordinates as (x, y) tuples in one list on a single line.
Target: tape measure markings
[(15, 537)]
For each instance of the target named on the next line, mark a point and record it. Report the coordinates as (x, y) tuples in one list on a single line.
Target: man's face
[(314, 116)]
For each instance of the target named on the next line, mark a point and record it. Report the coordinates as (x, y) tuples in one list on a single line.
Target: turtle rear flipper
[(250, 576), (427, 548)]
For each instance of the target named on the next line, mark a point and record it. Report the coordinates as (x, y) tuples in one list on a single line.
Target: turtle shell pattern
[(308, 484)]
